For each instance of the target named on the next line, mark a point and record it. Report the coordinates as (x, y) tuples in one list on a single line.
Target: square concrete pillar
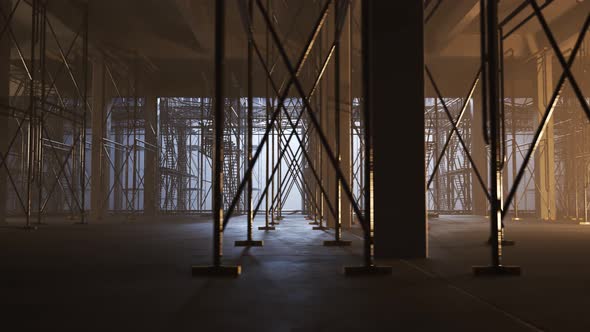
[(396, 94), (5, 127), (100, 169), (151, 182), (545, 199), (345, 117), (339, 129), (328, 123), (479, 153)]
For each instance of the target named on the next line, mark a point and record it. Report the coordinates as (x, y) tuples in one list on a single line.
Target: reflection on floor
[(135, 276)]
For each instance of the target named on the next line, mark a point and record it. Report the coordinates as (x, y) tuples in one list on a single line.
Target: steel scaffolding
[(45, 142)]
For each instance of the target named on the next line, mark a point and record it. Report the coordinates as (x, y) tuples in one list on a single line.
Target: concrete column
[(545, 154), (100, 167), (316, 153), (396, 94), (119, 179), (327, 121), (151, 178), (345, 117), (182, 169), (479, 153), (5, 132), (308, 177)]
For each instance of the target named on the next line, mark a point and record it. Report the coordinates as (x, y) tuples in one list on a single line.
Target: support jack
[(507, 243), (217, 271), (500, 270), (249, 243)]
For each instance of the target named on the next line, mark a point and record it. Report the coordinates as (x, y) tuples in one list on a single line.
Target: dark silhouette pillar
[(396, 78), (5, 125), (151, 182)]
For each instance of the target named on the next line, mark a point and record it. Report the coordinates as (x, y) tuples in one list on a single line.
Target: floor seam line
[(473, 296)]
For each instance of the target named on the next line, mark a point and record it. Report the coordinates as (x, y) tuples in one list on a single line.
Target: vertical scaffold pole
[(267, 225), (32, 118), (249, 241), (490, 64), (217, 269)]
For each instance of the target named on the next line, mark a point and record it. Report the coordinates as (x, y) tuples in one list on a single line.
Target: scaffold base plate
[(373, 270), (506, 243), (266, 228), (490, 271), (314, 223), (249, 243), (320, 228), (216, 271)]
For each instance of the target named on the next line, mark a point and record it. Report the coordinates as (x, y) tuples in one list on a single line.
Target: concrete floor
[(135, 276)]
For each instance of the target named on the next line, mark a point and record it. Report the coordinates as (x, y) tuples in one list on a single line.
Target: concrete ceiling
[(453, 30), (176, 36)]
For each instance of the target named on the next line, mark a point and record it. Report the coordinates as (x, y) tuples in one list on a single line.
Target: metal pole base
[(275, 223), (320, 228), (337, 243), (585, 223), (516, 219), (507, 243), (372, 270), (490, 271), (30, 228), (217, 271), (249, 243), (266, 228), (314, 223)]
